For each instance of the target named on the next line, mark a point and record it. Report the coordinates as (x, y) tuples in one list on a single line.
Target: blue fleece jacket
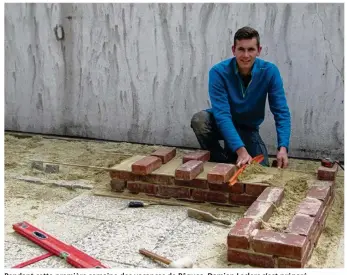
[(231, 101)]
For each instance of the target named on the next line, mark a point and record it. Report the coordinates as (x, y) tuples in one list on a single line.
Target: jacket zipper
[(244, 93)]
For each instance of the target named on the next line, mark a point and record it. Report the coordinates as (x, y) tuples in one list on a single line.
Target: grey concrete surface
[(115, 242), (66, 228), (138, 72), (111, 209), (195, 239), (18, 253), (114, 234), (104, 229)]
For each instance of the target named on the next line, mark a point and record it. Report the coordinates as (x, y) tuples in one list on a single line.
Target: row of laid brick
[(274, 249), (192, 165), (148, 164), (249, 244), (184, 193), (168, 153), (248, 189)]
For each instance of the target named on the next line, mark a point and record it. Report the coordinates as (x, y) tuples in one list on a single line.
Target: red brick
[(146, 165), (173, 192), (325, 212), (141, 187), (222, 187), (237, 188), (309, 206), (112, 174), (315, 234), (250, 258), (322, 183), (260, 210), (221, 173), (241, 199), (118, 185), (240, 234), (291, 263), (279, 244), (254, 189), (124, 175), (165, 154), (195, 183), (198, 155), (158, 179), (209, 196), (325, 173), (273, 195), (301, 225), (189, 170), (321, 193)]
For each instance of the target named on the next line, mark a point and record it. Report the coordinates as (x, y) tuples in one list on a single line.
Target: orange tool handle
[(233, 179)]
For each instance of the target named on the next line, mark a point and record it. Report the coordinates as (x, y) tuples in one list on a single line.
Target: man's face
[(245, 51)]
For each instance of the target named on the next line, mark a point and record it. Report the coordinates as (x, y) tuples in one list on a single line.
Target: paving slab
[(51, 262), (26, 209), (19, 253), (158, 217), (15, 238), (56, 263), (114, 209), (112, 264), (196, 239), (66, 228), (120, 243), (89, 206)]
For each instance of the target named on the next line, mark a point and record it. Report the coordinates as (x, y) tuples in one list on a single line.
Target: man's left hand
[(282, 158)]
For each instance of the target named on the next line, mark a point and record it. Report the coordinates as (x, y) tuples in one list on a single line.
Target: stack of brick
[(249, 244), (193, 179)]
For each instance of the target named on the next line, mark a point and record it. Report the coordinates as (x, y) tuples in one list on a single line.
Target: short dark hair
[(247, 33)]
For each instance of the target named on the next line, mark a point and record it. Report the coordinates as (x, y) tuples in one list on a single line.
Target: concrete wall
[(138, 72)]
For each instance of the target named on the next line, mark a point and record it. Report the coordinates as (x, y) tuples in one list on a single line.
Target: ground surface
[(103, 228)]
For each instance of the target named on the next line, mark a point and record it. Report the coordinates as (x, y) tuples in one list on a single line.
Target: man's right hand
[(243, 157)]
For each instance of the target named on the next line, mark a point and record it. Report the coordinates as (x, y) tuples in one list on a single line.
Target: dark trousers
[(208, 135)]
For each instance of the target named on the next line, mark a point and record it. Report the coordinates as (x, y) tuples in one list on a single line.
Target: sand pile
[(295, 190), (251, 171)]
